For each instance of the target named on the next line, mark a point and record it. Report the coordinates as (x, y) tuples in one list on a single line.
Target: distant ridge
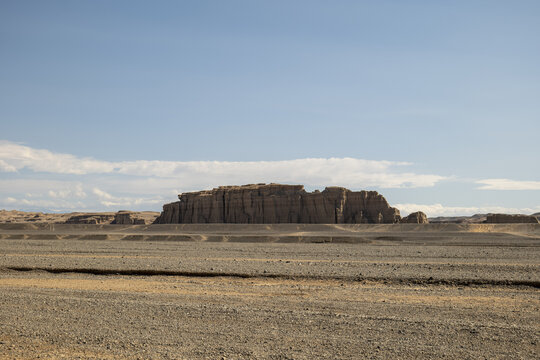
[(487, 219)]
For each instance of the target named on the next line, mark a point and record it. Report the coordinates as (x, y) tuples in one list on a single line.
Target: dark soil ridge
[(207, 274)]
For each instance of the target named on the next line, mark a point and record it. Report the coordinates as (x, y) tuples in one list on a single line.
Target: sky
[(109, 105)]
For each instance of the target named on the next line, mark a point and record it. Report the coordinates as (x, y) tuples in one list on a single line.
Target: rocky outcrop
[(121, 217), (15, 216), (91, 218), (511, 219), (275, 203), (125, 217), (415, 218)]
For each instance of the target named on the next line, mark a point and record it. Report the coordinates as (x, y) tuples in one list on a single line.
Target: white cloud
[(98, 200), (193, 175), (109, 200), (5, 167), (434, 210), (16, 157), (76, 192), (508, 184), (41, 203), (61, 181), (103, 195), (35, 186), (10, 200)]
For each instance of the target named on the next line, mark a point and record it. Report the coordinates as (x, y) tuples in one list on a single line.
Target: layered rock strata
[(415, 218), (275, 203)]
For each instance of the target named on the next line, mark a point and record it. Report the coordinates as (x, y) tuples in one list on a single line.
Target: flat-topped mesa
[(276, 203)]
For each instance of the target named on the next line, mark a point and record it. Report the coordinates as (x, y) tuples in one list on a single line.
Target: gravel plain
[(377, 294)]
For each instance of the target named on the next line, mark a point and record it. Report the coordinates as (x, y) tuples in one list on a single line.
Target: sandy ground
[(83, 292)]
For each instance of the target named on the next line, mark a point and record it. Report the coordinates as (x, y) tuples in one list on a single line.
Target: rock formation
[(125, 217), (415, 218), (510, 219), (91, 218), (121, 217), (275, 203)]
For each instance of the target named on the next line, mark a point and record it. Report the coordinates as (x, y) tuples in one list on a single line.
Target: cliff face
[(275, 203)]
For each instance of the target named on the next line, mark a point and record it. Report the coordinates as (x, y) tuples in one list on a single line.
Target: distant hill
[(474, 219)]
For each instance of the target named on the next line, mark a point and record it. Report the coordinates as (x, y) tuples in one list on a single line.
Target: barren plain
[(269, 291)]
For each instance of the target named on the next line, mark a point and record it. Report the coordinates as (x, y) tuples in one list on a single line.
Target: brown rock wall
[(275, 203)]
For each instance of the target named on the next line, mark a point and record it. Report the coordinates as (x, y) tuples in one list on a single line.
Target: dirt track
[(388, 295)]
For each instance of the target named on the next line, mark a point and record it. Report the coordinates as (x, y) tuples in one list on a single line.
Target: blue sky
[(435, 104)]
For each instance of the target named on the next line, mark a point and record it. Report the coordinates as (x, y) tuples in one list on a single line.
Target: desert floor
[(269, 292)]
